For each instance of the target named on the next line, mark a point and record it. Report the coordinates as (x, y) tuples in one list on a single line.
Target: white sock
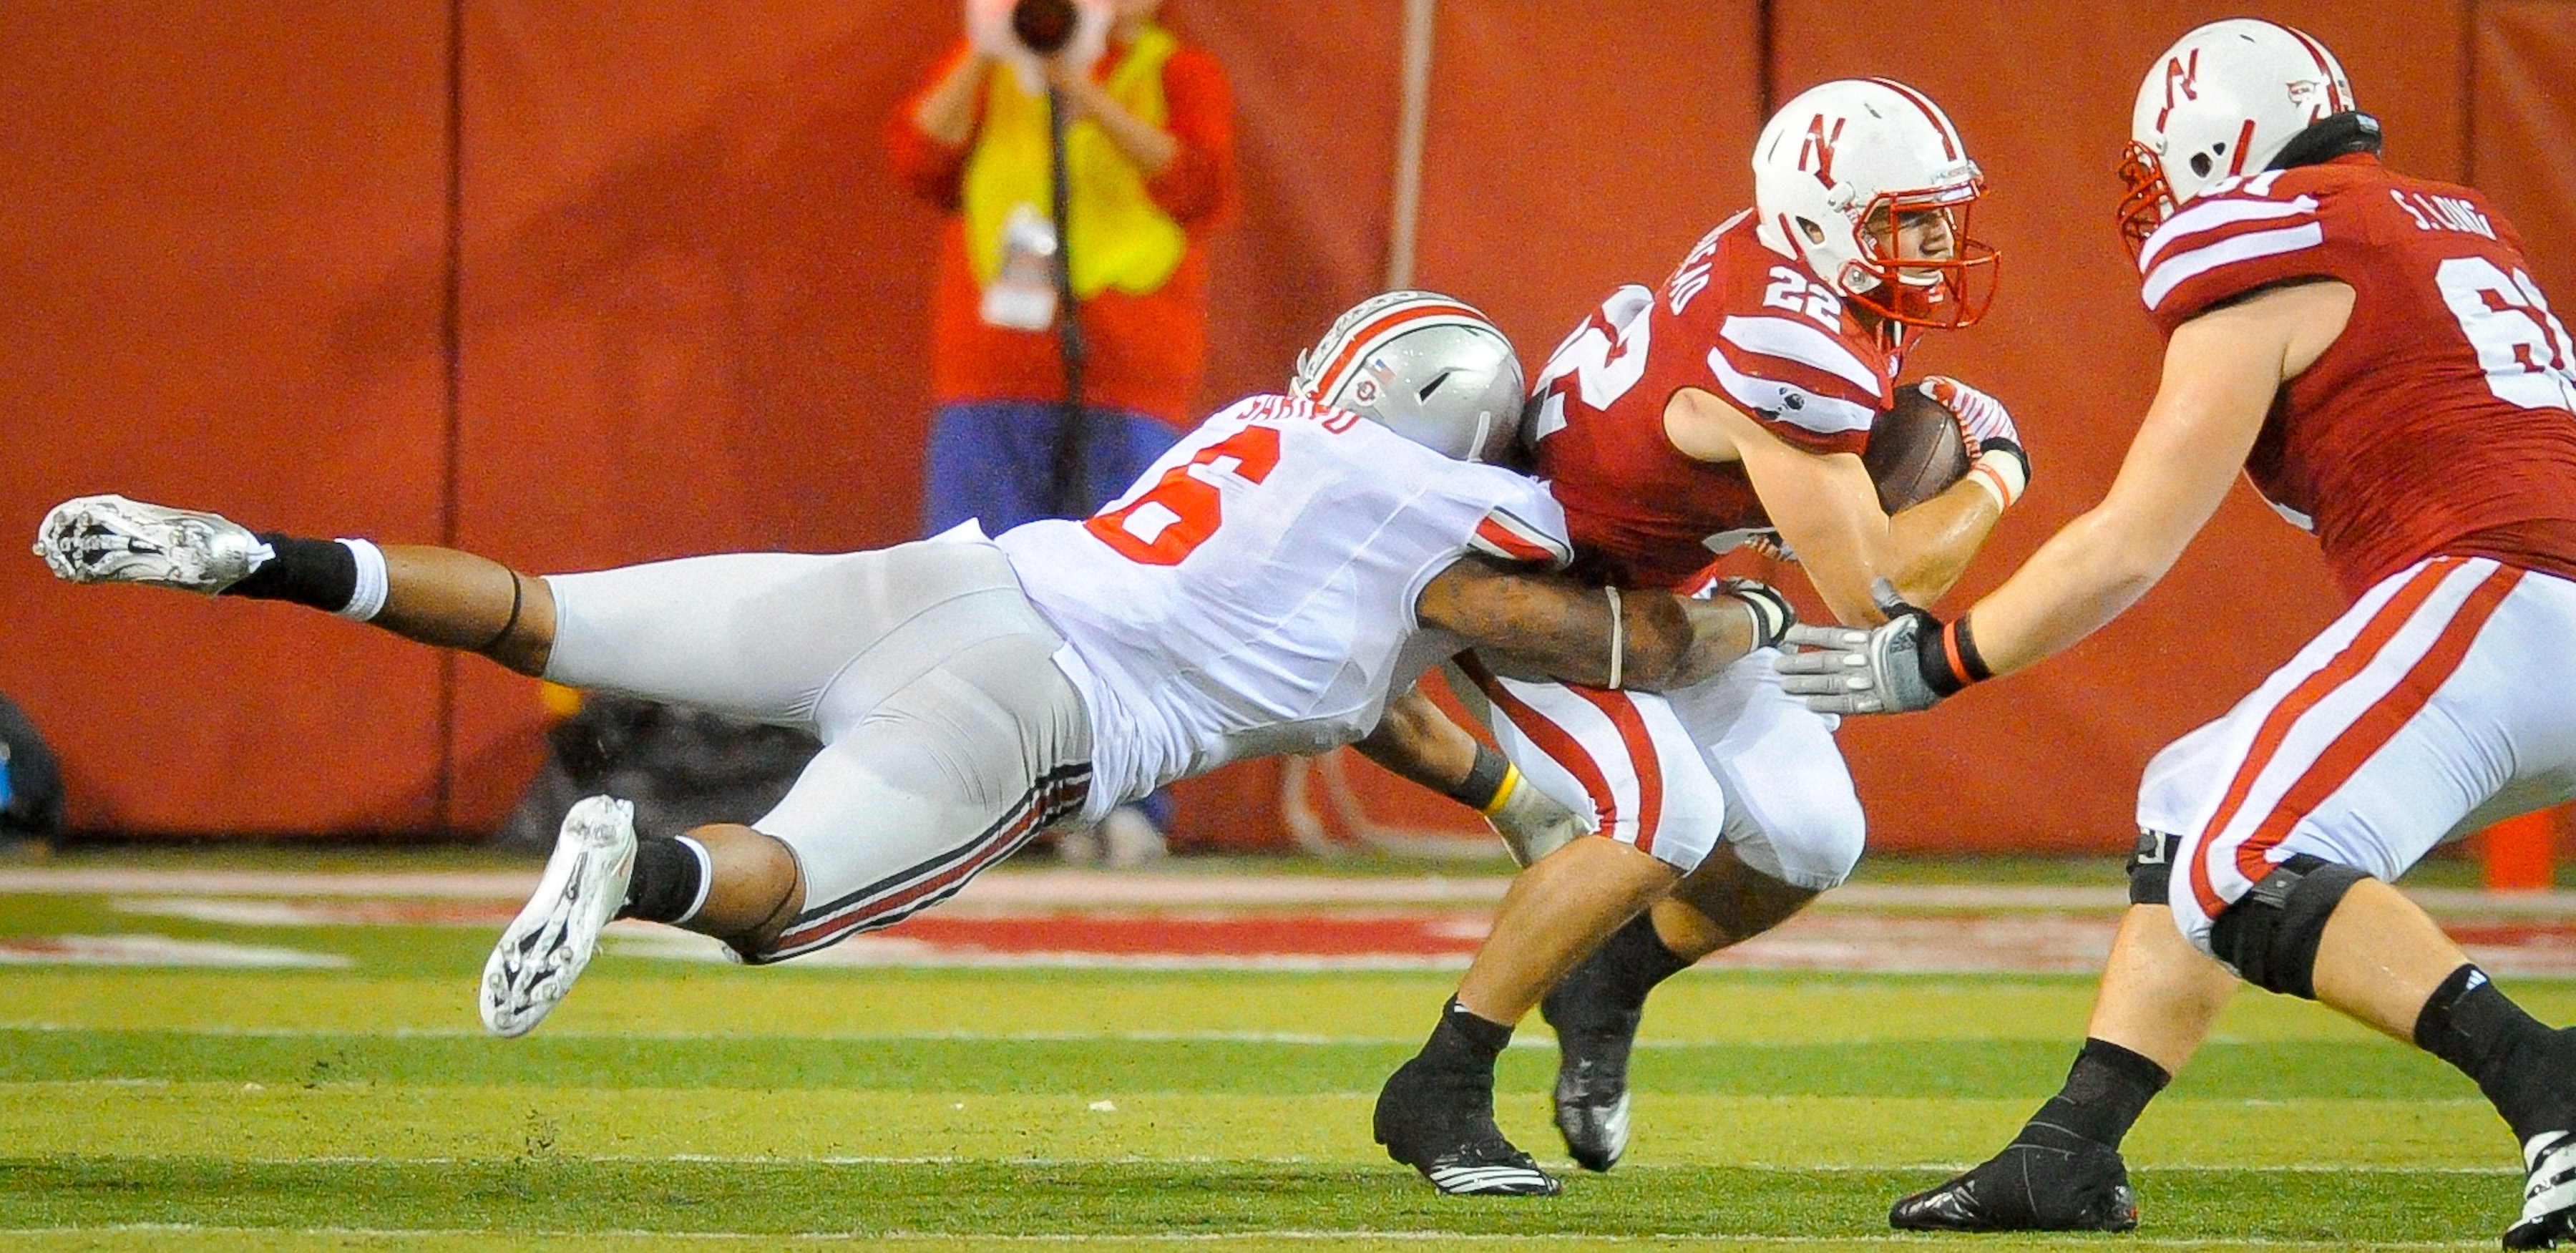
[(373, 584)]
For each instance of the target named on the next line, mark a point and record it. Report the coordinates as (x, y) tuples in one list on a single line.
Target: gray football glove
[(1841, 670)]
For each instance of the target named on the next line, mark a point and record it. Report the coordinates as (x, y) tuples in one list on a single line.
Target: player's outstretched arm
[(435, 596), (2221, 372), (1601, 637)]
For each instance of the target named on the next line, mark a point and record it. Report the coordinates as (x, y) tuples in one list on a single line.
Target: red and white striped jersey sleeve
[(1507, 535), (2269, 229), (1809, 386)]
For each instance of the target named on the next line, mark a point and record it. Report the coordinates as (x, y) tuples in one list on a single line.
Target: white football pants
[(1732, 758), (949, 735), (2443, 701)]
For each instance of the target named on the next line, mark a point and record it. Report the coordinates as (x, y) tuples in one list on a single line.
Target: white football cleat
[(109, 539), (2548, 1193), (550, 941)]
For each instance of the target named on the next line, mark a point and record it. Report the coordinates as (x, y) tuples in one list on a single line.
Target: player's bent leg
[(1645, 788), (727, 881), (1792, 828), (1596, 1009), (1436, 1113), (724, 880), (2158, 1000)]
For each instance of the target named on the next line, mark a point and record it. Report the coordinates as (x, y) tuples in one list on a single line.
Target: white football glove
[(1997, 461), (1773, 615), (1841, 670), (1530, 821)]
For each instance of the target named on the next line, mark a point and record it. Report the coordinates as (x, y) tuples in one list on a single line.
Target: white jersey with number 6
[(1253, 592)]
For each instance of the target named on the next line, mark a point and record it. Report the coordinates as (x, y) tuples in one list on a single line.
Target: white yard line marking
[(156, 950)]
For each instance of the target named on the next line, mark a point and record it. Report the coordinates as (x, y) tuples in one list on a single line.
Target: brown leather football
[(1914, 450)]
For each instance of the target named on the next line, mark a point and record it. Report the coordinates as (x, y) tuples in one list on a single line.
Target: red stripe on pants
[(2354, 658), (2378, 724), (1551, 739)]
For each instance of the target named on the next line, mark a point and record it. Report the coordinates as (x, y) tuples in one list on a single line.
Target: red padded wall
[(692, 316), (216, 290)]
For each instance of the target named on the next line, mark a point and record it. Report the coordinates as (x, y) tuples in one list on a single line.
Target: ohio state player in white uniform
[(2371, 350), (1728, 405), (1262, 590)]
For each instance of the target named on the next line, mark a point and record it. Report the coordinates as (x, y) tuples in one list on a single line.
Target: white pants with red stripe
[(949, 734), (1733, 758), (2441, 702)]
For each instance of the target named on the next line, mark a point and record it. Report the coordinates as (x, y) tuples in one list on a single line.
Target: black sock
[(1634, 959), (2106, 1090), (665, 884), (2517, 1060), (1465, 1041), (322, 573)]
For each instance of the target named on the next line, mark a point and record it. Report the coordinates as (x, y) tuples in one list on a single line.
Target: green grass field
[(678, 1106)]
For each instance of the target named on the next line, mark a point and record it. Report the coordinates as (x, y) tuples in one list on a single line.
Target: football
[(1915, 450)]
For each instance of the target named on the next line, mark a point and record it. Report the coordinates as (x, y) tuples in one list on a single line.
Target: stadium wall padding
[(631, 282)]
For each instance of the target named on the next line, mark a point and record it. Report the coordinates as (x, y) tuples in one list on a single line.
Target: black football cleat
[(2028, 1187), (1442, 1124), (1595, 1030)]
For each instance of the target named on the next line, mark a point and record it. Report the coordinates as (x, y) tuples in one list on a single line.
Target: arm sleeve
[(1525, 527), (1198, 187), (933, 170)]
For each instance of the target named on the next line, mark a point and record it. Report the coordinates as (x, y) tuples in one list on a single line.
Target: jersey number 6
[(1186, 506)]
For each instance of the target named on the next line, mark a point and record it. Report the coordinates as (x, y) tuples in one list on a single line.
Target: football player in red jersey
[(2371, 351), (1727, 406)]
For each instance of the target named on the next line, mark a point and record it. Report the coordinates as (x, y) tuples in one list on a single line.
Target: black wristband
[(1947, 655), (1971, 663), (1484, 779)]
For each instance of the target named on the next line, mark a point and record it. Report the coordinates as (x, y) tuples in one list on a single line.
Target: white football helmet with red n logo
[(1838, 169), (2222, 103), (1432, 368)]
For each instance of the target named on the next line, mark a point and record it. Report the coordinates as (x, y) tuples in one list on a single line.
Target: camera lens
[(1045, 26)]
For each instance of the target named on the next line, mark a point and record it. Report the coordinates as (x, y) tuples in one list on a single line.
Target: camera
[(1043, 26)]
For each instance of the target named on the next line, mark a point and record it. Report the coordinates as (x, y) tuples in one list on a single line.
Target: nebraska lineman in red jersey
[(1726, 406), (2371, 350)]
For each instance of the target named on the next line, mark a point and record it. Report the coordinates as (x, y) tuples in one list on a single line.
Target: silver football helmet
[(1431, 368)]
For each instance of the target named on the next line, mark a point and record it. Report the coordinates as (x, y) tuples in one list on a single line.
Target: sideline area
[(1189, 917)]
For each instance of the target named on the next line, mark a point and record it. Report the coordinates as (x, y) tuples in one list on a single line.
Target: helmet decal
[(1820, 145), (1426, 366), (2181, 77)]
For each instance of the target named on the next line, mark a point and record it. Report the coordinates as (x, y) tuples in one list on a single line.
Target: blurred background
[(578, 283)]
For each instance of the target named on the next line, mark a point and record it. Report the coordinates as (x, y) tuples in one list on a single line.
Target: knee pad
[(2151, 867), (2270, 935)]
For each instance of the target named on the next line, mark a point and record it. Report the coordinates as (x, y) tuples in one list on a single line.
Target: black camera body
[(1043, 26)]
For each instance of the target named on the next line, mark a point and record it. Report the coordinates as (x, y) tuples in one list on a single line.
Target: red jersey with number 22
[(1754, 327), (2443, 419)]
